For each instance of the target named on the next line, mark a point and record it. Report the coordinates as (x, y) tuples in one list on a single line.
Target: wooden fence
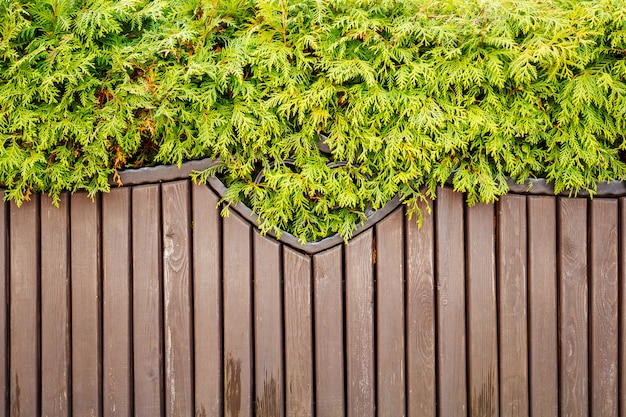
[(146, 302)]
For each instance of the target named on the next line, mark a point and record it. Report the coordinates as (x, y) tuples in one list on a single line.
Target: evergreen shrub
[(407, 93)]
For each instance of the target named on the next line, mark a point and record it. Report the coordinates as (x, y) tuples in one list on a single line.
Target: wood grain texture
[(513, 315), (622, 301), (268, 327), (24, 309), (329, 357), (604, 326), (451, 304), (4, 302), (147, 302), (542, 307), (55, 307), (420, 316), (360, 326), (298, 334), (177, 299), (207, 287), (482, 321), (238, 355), (390, 346), (573, 307)]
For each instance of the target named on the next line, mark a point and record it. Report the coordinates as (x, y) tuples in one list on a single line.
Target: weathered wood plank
[(482, 320), (390, 315), (451, 304), (4, 302), (207, 286), (329, 357), (177, 299), (573, 307), (542, 307), (86, 297), (513, 315), (298, 333), (268, 327), (147, 302), (604, 329), (420, 287), (24, 309), (55, 304), (622, 301), (237, 318), (360, 325)]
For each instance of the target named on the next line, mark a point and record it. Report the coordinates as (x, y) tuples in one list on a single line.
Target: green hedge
[(408, 92)]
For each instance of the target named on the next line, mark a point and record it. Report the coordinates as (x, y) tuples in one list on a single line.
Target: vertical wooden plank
[(482, 337), (207, 287), (55, 296), (390, 315), (573, 318), (622, 301), (329, 358), (451, 304), (237, 318), (86, 320), (268, 328), (604, 331), (24, 309), (420, 287), (148, 381), (298, 334), (542, 307), (4, 325), (512, 294), (177, 299), (116, 303), (360, 325)]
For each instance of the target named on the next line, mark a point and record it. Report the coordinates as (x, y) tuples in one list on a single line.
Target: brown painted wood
[(360, 325), (329, 357), (177, 299), (622, 301), (542, 307), (24, 309), (482, 321), (513, 315), (4, 299), (420, 315), (298, 334), (55, 305), (451, 304), (268, 328), (390, 346), (147, 302), (573, 307), (237, 318), (604, 322), (207, 286)]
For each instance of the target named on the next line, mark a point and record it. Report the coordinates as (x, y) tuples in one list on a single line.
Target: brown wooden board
[(177, 299), (268, 328), (482, 321), (238, 355), (24, 309), (4, 325), (573, 307), (360, 325), (420, 315), (116, 303), (390, 346), (603, 309), (298, 334), (86, 297), (513, 315), (329, 357), (207, 286), (542, 307), (147, 302), (622, 301), (55, 307), (451, 304)]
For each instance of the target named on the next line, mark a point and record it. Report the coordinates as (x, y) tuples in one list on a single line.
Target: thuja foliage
[(409, 93)]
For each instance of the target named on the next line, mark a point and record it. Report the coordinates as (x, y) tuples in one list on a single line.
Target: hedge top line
[(405, 94)]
